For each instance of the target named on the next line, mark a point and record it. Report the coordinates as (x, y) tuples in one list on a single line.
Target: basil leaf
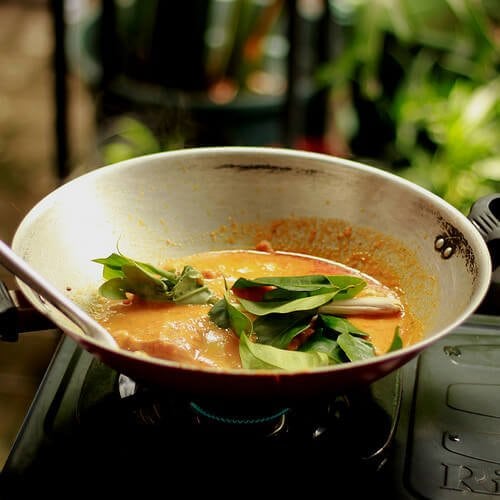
[(151, 283), (113, 289), (190, 289), (261, 356), (144, 284), (240, 323), (279, 294), (169, 276), (283, 307), (219, 314), (279, 330), (319, 343), (291, 283), (225, 315), (397, 341), (114, 263), (349, 286), (355, 348), (340, 325)]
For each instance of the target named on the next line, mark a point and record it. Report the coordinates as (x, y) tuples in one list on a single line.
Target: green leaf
[(113, 289), (340, 325), (292, 283), (114, 263), (282, 295), (225, 315), (150, 282), (349, 286), (279, 330), (289, 296), (397, 341), (310, 283), (190, 289), (319, 343), (284, 307), (261, 356), (355, 348), (170, 276), (219, 314), (146, 285)]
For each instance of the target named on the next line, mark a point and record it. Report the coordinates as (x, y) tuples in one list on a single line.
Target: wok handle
[(485, 215), (8, 316), (17, 315), (23, 271)]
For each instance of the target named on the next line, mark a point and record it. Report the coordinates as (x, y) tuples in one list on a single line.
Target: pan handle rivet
[(444, 246), (446, 253), (439, 243)]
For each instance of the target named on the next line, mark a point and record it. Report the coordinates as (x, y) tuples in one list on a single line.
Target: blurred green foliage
[(184, 73), (416, 88), (128, 137)]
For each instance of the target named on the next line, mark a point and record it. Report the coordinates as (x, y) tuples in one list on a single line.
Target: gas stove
[(428, 430)]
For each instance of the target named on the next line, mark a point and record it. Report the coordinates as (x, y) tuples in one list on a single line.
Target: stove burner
[(248, 420), (267, 425), (205, 413), (357, 426)]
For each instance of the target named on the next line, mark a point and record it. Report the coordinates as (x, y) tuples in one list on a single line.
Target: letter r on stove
[(472, 479)]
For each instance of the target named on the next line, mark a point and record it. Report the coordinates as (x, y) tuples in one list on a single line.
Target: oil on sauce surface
[(186, 334)]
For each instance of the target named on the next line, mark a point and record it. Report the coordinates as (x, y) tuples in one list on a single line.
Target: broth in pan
[(262, 309)]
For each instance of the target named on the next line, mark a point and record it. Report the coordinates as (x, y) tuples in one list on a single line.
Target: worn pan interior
[(191, 200)]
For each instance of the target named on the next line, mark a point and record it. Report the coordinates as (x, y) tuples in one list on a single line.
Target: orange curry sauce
[(185, 333)]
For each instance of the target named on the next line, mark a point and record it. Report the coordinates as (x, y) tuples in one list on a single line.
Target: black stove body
[(428, 430)]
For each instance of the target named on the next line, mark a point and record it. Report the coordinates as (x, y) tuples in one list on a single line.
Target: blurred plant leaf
[(443, 90)]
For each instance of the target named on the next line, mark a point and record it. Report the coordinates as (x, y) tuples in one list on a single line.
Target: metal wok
[(181, 202)]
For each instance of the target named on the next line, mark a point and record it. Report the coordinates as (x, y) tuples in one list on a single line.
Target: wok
[(181, 202)]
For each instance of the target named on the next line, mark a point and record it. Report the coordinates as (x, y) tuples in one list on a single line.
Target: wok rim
[(473, 237)]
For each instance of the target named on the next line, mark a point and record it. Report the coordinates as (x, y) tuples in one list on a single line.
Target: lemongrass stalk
[(362, 305)]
